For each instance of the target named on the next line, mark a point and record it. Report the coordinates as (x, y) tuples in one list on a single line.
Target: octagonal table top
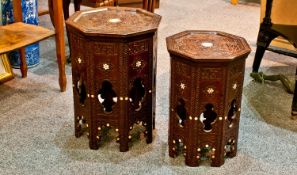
[(208, 46), (114, 21)]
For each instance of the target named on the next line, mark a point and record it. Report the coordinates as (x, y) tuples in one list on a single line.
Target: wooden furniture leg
[(18, 17), (60, 43), (149, 126), (50, 9), (77, 5), (294, 103), (66, 4), (264, 39), (23, 63), (149, 5)]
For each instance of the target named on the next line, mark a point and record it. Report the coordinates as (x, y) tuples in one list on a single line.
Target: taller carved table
[(207, 72), (113, 53)]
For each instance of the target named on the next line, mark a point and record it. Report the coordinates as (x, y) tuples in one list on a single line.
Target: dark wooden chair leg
[(258, 58), (77, 5), (66, 4), (264, 39), (294, 103)]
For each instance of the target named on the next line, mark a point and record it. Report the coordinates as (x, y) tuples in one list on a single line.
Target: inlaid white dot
[(206, 44), (114, 20)]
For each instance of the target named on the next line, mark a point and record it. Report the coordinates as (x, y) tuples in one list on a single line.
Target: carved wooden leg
[(191, 143), (294, 103), (149, 120), (124, 140), (60, 43), (233, 149), (93, 142), (149, 128), (218, 160), (171, 137), (23, 63), (77, 127), (264, 39), (172, 147), (191, 156)]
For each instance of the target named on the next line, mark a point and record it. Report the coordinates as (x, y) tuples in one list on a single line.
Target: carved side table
[(113, 53), (207, 72)]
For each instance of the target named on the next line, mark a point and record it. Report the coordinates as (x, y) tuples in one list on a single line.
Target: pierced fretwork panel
[(137, 94), (181, 111), (232, 112), (81, 90), (208, 117), (107, 96)]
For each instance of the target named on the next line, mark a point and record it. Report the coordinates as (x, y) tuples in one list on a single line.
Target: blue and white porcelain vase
[(30, 16)]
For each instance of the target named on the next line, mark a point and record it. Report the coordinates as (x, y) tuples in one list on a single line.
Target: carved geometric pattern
[(116, 21), (211, 64), (211, 73), (237, 68), (105, 49), (113, 42), (202, 45), (137, 47), (183, 69)]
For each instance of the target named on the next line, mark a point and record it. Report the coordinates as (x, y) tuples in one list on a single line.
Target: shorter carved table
[(207, 72), (113, 53)]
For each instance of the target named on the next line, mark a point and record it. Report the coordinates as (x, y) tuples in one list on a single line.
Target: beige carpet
[(37, 132)]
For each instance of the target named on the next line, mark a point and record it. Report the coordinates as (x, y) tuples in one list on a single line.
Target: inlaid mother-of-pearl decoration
[(211, 64)]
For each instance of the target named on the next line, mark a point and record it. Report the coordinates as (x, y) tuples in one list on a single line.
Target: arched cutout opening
[(137, 94), (181, 111), (208, 117), (81, 89), (206, 153), (107, 96), (229, 147), (232, 112), (82, 121)]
